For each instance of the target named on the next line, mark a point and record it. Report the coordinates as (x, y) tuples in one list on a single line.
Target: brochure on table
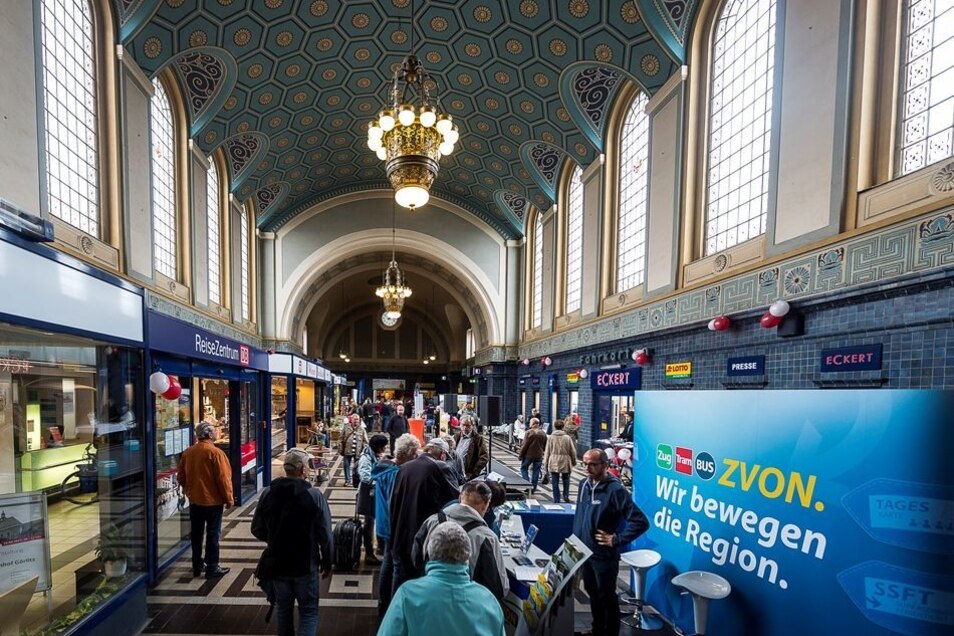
[(24, 541), (528, 616)]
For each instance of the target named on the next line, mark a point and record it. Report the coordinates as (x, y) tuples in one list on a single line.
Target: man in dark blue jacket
[(606, 519)]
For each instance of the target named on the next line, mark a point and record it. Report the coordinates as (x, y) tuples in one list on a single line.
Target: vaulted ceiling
[(286, 87)]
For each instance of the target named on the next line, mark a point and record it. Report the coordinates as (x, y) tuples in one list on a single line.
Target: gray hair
[(450, 441), (204, 430), (467, 418), (477, 489), (405, 447), (448, 543)]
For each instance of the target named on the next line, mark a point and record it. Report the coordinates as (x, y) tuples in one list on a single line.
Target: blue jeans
[(555, 482), (599, 581), (347, 467), (303, 589), (535, 464), (385, 578), (205, 520), (403, 570)]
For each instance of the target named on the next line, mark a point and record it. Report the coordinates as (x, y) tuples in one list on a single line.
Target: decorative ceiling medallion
[(360, 20), (541, 80), (293, 70), (482, 14), (558, 47), (501, 77), (198, 38), (152, 47), (472, 49), (514, 47), (439, 24), (629, 12), (603, 53), (324, 44), (318, 8), (579, 8), (242, 37), (650, 65), (284, 38), (529, 8)]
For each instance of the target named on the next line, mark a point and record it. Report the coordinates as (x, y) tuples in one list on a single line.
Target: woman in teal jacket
[(444, 601)]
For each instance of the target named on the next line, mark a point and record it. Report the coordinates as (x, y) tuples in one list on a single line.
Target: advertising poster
[(24, 541), (829, 512)]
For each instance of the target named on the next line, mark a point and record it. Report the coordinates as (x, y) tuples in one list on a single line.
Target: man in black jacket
[(295, 520), (397, 425), (606, 519), (421, 488)]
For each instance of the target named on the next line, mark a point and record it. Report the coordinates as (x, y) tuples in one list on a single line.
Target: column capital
[(513, 243), (268, 236)]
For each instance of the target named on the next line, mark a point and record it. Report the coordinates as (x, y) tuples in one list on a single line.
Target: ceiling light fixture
[(411, 133), (393, 290)]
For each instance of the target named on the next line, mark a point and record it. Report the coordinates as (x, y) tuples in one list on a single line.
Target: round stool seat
[(642, 559), (704, 584)]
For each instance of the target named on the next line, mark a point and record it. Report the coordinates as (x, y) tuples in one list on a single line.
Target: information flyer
[(24, 541)]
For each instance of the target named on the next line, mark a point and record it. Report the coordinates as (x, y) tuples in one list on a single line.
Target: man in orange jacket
[(206, 477)]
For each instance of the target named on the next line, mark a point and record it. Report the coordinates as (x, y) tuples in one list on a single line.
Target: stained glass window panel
[(574, 241), (633, 181), (163, 182)]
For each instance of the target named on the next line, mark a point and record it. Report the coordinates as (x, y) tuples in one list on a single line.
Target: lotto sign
[(846, 497), (678, 369)]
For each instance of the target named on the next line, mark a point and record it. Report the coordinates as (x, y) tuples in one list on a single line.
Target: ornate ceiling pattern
[(513, 204), (243, 152), (544, 162), (311, 74), (207, 77), (588, 90)]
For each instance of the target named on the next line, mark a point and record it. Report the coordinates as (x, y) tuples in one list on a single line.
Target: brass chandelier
[(411, 133), (393, 289)]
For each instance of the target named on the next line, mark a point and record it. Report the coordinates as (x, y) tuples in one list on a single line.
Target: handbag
[(265, 576)]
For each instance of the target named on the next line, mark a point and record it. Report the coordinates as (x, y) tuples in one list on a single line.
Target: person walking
[(531, 454), (445, 601), (517, 433), (397, 425), (406, 448), (606, 519), (374, 452), (471, 448), (367, 414), (353, 440), (293, 518), (206, 477), (559, 458)]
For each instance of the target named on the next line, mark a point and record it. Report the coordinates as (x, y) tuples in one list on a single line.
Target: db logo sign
[(243, 355), (705, 466), (684, 460), (664, 456)]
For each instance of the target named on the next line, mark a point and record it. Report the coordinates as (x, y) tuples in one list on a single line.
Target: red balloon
[(642, 357), (721, 323), (768, 320), (174, 390)]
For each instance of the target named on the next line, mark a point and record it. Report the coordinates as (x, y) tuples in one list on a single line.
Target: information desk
[(545, 604), (554, 520)]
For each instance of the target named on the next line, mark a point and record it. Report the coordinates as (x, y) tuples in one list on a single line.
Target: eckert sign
[(630, 379), (861, 358)]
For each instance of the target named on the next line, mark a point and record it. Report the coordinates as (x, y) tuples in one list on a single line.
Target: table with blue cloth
[(554, 525)]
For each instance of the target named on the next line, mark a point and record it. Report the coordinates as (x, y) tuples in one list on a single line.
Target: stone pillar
[(514, 292), (266, 266)]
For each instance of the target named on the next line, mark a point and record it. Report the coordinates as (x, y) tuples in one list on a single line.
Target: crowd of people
[(430, 520)]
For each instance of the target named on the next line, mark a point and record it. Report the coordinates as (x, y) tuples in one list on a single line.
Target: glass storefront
[(279, 408), (248, 419), (71, 471), (174, 434), (306, 403)]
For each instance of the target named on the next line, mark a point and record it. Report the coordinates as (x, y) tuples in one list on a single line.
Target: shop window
[(248, 416), (740, 123), (214, 217), (174, 434), (574, 241), (279, 415), (633, 202), (163, 182), (69, 113), (927, 85), (71, 468)]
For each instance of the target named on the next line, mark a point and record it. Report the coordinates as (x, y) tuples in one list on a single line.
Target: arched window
[(214, 216), (927, 84), (246, 298), (537, 295), (574, 241), (69, 113), (163, 182), (633, 179), (740, 123)]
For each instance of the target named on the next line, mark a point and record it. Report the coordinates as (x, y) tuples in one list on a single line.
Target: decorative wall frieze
[(163, 305)]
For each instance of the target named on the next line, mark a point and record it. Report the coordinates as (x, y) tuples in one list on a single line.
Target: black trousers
[(599, 581), (205, 520)]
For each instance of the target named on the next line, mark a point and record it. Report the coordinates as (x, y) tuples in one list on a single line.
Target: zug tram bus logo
[(770, 481), (682, 460)]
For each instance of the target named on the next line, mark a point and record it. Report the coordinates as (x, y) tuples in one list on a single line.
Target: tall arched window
[(740, 123), (537, 295), (69, 113), (633, 179), (214, 216), (246, 297), (574, 241), (163, 182), (927, 83)]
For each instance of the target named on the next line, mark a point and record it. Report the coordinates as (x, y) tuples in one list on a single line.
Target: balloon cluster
[(546, 361), (642, 356), (720, 323), (776, 312), (165, 385)]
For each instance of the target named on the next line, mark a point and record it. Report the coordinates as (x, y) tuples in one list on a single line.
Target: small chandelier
[(393, 290), (411, 134)]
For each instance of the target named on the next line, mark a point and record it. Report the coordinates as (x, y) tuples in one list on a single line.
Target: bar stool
[(704, 587), (640, 562)]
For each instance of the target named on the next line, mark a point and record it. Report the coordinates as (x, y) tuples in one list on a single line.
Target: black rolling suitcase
[(347, 539)]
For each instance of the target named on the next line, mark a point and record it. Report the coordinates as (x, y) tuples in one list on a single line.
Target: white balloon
[(610, 454), (625, 454), (779, 308), (712, 325), (159, 382)]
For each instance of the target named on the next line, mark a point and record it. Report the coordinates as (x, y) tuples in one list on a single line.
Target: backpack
[(347, 540)]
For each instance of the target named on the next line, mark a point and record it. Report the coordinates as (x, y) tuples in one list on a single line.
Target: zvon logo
[(664, 456), (705, 466)]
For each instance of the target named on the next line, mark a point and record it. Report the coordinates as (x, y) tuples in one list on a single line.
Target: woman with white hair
[(444, 601)]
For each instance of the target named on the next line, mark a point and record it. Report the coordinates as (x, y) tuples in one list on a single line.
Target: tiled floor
[(233, 604)]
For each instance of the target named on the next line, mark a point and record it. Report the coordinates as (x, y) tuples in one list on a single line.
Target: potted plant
[(113, 550)]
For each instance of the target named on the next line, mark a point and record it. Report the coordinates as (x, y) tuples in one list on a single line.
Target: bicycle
[(81, 486)]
